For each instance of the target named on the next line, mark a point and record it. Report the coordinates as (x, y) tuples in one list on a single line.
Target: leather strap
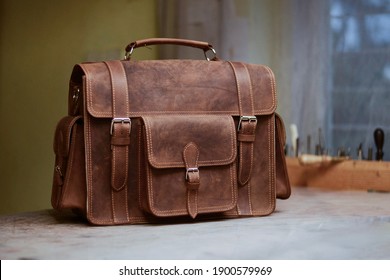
[(120, 141), (191, 156), (171, 41), (246, 135)]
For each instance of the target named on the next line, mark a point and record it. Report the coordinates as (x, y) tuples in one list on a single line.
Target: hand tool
[(379, 138), (294, 137), (306, 159), (369, 155), (308, 149), (360, 152)]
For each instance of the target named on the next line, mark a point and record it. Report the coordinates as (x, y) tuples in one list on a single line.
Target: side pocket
[(69, 183), (283, 189)]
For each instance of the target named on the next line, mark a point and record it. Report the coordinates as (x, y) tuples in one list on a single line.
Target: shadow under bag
[(170, 140)]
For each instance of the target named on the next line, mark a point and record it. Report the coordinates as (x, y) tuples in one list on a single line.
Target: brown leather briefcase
[(170, 140)]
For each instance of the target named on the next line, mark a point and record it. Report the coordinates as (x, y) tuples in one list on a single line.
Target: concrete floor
[(312, 224)]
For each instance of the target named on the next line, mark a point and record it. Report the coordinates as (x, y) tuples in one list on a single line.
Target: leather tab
[(191, 156), (192, 203)]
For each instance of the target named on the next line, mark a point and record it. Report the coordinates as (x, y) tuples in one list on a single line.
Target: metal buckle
[(119, 120), (192, 169), (246, 118)]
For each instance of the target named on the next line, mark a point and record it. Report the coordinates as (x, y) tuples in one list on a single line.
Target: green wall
[(40, 41)]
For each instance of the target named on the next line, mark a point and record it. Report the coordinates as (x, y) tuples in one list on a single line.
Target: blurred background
[(331, 60)]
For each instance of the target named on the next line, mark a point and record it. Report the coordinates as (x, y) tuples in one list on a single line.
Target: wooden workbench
[(341, 175), (312, 224)]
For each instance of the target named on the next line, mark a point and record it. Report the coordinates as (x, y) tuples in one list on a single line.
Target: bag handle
[(206, 47)]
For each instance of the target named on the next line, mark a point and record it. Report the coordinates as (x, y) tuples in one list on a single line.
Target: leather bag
[(163, 141)]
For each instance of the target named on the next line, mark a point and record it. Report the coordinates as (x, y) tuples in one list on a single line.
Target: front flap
[(168, 135), (176, 87)]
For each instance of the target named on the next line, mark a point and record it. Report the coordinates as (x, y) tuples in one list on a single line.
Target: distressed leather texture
[(190, 174), (165, 141)]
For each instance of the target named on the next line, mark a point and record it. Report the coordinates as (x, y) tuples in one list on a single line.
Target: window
[(360, 80), (331, 59)]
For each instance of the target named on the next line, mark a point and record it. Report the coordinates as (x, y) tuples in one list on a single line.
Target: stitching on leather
[(113, 169), (113, 152), (126, 88), (103, 114), (113, 91), (139, 168), (184, 211), (240, 167), (126, 181), (281, 131), (273, 86), (193, 194), (250, 89), (115, 149), (238, 87), (139, 218), (249, 199), (179, 164), (197, 154), (69, 167), (271, 123), (233, 188), (196, 202), (271, 186), (244, 146), (150, 189), (151, 198), (126, 205), (137, 114), (122, 70), (113, 205), (90, 175)]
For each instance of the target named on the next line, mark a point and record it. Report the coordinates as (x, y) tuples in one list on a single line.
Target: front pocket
[(189, 165)]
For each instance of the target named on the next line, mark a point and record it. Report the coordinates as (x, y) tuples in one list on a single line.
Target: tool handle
[(307, 159), (379, 137), (170, 41)]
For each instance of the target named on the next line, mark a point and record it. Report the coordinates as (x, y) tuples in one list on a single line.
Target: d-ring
[(214, 52), (130, 52)]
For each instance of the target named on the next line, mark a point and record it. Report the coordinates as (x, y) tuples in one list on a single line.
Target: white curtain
[(331, 59)]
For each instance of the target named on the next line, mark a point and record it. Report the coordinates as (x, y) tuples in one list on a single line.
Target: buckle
[(119, 120), (246, 118), (191, 169)]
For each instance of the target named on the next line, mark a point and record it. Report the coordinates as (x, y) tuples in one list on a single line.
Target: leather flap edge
[(167, 136), (176, 87)]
